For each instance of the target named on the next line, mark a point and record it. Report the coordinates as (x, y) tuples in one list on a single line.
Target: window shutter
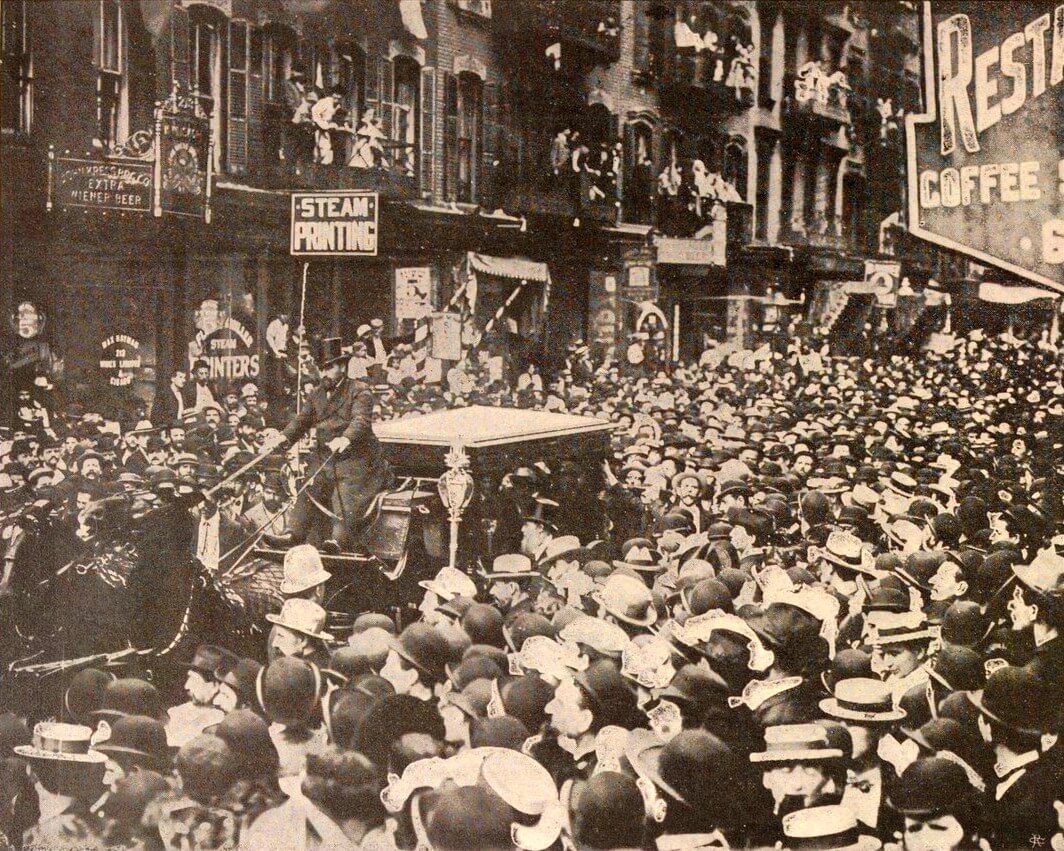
[(179, 48), (428, 131), (373, 85), (237, 143), (450, 137), (256, 98), (384, 68), (489, 142), (640, 38)]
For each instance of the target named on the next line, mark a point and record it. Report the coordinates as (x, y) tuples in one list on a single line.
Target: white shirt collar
[(1009, 763)]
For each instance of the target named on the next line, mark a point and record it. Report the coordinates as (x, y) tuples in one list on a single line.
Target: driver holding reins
[(348, 464)]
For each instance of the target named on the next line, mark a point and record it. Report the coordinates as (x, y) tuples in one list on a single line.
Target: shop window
[(16, 98), (406, 75)]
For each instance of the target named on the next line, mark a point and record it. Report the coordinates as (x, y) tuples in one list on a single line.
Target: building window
[(111, 94), (350, 64), (463, 134), (639, 174), (279, 50), (735, 164), (765, 146), (406, 75), (207, 46), (16, 98)]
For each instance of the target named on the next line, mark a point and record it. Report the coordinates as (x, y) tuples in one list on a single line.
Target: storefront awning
[(1010, 294), (516, 268)]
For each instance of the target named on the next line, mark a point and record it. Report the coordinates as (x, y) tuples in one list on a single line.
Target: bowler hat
[(391, 718), (931, 786), (609, 695), (85, 693), (958, 668), (248, 736), (207, 766), (608, 812), (1018, 699), (131, 696), (424, 647), (288, 691), (138, 740)]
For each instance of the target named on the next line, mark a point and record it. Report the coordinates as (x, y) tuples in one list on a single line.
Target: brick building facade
[(646, 150)]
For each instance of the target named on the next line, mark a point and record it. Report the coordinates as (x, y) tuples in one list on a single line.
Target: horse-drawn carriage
[(137, 596)]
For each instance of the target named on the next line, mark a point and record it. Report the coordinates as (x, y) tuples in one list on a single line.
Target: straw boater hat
[(302, 616), (511, 566), (862, 699), (54, 742), (846, 550), (885, 627), (830, 828), (796, 743)]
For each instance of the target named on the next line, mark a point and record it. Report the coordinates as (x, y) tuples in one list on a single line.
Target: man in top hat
[(190, 718), (538, 527), (349, 457)]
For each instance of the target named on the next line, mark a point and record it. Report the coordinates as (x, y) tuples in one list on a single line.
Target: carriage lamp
[(455, 487)]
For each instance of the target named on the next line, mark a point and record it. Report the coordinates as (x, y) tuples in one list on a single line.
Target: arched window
[(736, 164)]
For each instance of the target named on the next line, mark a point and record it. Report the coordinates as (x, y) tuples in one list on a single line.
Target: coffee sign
[(986, 176)]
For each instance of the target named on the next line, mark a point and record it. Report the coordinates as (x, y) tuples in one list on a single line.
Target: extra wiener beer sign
[(986, 160)]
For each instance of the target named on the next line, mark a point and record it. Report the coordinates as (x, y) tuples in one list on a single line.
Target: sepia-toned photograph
[(531, 425)]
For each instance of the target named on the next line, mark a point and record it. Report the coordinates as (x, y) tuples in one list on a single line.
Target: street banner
[(335, 223), (985, 171)]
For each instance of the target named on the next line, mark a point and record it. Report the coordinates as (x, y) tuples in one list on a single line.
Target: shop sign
[(101, 185), (640, 284), (882, 277), (446, 336), (985, 172), (224, 343), (327, 224), (691, 252), (120, 359), (413, 292), (184, 159), (602, 307)]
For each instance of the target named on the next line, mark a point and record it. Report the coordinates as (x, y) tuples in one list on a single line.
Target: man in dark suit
[(352, 466), (172, 404)]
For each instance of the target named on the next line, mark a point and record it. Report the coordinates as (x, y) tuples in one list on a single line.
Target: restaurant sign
[(341, 222), (110, 185), (985, 171)]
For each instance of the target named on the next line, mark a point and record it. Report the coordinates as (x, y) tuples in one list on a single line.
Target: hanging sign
[(327, 224), (183, 166), (413, 292), (881, 277), (101, 185), (985, 171), (446, 331), (120, 359)]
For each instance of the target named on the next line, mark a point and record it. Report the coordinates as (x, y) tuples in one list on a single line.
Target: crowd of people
[(813, 601)]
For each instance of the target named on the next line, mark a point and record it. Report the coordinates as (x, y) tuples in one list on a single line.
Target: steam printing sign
[(985, 171), (326, 224)]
